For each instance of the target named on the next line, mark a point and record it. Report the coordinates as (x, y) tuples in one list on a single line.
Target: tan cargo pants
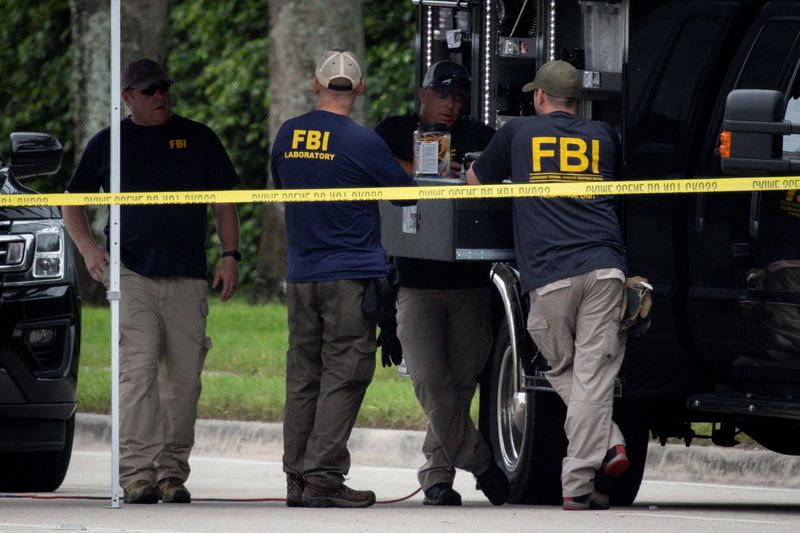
[(446, 336), (329, 364), (575, 323), (163, 346)]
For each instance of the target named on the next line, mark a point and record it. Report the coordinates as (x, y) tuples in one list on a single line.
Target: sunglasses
[(162, 87)]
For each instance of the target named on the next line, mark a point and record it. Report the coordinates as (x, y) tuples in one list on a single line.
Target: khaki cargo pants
[(329, 364), (163, 346), (446, 336), (575, 323)]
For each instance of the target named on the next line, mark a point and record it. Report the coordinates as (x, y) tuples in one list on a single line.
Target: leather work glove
[(637, 303)]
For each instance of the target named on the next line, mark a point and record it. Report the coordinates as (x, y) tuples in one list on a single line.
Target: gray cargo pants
[(446, 335), (575, 323), (330, 362)]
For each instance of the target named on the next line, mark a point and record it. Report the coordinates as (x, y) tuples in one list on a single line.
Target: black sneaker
[(141, 491), (594, 501), (494, 484), (441, 494), (294, 490), (343, 496)]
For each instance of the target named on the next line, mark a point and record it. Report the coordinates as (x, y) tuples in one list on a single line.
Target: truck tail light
[(725, 144)]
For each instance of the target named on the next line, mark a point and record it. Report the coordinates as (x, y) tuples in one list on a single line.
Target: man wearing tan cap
[(334, 250), (572, 264)]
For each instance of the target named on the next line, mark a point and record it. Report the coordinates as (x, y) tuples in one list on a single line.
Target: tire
[(635, 427), (529, 443), (41, 471), (526, 433)]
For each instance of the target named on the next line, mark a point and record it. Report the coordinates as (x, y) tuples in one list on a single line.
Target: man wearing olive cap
[(572, 264)]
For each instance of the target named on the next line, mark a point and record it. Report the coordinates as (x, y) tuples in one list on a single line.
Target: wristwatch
[(236, 254)]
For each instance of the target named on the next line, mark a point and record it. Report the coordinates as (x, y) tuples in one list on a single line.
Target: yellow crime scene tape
[(502, 190)]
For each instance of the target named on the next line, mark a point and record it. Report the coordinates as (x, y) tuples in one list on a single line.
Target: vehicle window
[(772, 60), (791, 143)]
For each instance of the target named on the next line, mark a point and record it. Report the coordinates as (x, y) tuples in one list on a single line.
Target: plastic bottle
[(432, 150)]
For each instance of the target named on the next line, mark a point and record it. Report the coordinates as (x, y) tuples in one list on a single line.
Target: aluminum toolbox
[(449, 230)]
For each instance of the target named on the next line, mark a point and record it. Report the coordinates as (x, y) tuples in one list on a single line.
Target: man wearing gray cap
[(572, 264), (163, 277), (334, 251)]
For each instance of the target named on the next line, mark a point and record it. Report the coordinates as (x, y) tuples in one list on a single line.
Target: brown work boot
[(141, 491), (173, 491), (343, 496), (294, 490)]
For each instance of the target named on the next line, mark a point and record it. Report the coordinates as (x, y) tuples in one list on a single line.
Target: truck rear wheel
[(40, 471), (528, 440), (526, 431)]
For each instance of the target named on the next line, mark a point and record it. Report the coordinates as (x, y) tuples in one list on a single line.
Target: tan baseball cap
[(556, 78), (338, 67)]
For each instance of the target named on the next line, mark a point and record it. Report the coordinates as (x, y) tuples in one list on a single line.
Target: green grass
[(244, 373)]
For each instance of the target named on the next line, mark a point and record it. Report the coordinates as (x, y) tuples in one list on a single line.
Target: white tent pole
[(114, 291)]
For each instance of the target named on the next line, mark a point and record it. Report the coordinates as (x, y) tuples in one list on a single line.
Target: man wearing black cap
[(163, 278), (571, 262), (443, 310)]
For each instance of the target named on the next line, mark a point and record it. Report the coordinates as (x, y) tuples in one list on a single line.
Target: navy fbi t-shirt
[(181, 155), (333, 240), (557, 238)]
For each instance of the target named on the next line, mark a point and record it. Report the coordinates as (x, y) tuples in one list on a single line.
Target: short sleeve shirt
[(557, 238), (333, 240), (181, 155), (467, 136)]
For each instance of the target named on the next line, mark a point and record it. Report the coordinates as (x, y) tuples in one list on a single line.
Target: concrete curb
[(401, 448)]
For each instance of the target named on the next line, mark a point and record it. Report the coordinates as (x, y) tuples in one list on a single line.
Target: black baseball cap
[(142, 73), (447, 75)]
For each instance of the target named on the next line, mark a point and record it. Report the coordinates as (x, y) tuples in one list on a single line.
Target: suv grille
[(14, 251)]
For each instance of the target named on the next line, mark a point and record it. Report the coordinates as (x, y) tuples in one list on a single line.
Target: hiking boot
[(141, 491), (616, 461), (441, 494), (494, 484), (294, 490), (173, 491), (343, 496), (594, 501)]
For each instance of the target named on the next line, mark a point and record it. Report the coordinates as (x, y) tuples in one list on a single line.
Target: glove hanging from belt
[(379, 304), (637, 303)]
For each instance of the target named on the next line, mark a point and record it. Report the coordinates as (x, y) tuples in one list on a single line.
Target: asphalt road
[(661, 506)]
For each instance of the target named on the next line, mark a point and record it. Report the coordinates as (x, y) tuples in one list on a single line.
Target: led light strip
[(552, 30), (428, 38), (487, 63)]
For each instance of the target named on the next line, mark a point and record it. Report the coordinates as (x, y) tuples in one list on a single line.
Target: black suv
[(39, 327)]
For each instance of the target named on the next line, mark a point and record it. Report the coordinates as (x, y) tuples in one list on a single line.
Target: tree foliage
[(218, 59), (389, 34), (35, 92)]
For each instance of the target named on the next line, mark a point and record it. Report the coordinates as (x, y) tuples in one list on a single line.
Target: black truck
[(39, 327), (670, 76)]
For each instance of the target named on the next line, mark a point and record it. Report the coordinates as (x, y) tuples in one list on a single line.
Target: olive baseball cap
[(339, 67), (141, 74), (556, 78)]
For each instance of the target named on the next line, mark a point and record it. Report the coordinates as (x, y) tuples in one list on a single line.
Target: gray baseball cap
[(556, 78), (336, 66), (141, 74)]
